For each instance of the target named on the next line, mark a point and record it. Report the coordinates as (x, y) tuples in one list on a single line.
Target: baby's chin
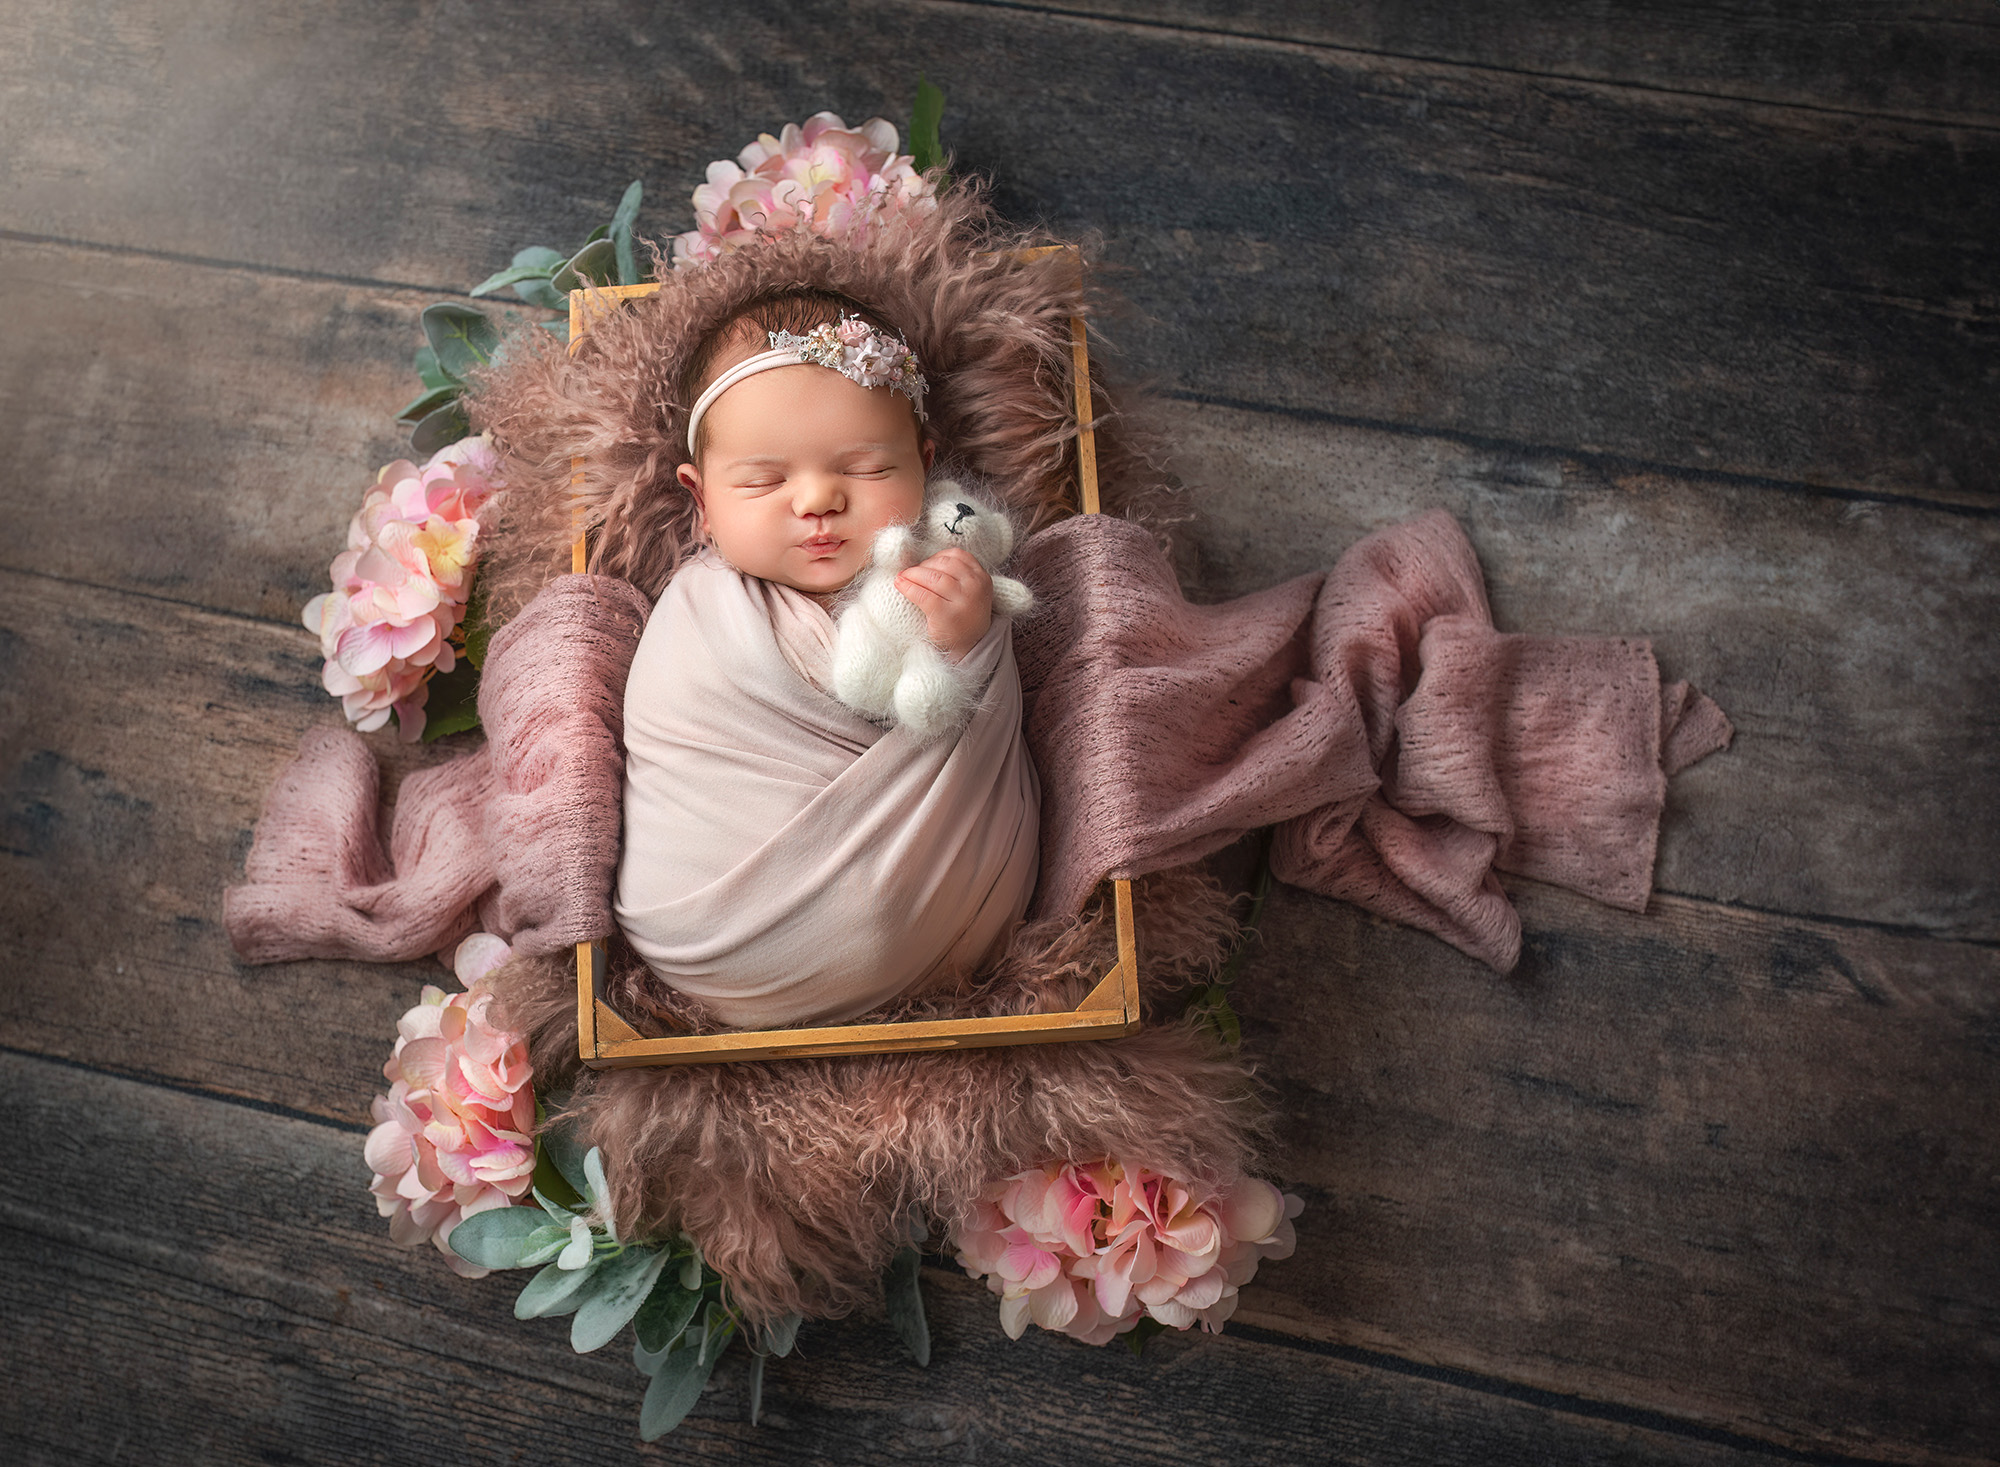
[(815, 581)]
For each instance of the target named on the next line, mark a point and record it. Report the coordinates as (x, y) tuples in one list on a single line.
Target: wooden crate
[(605, 1040)]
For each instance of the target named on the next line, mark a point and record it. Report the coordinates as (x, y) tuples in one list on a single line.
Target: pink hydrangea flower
[(400, 587), (824, 175), (1090, 1250), (455, 1133)]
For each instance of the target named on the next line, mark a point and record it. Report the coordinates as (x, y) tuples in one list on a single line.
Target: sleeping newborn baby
[(785, 859)]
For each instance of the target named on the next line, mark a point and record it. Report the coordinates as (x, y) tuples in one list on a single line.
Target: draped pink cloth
[(1403, 748), (518, 838)]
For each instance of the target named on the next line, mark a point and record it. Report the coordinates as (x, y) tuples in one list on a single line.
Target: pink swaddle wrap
[(786, 861)]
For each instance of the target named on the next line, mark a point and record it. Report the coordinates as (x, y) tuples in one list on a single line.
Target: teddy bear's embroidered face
[(953, 519)]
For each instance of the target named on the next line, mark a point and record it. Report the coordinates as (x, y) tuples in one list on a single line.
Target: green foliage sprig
[(459, 338), (678, 1307)]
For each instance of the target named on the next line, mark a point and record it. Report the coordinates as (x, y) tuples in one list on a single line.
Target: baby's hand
[(955, 594)]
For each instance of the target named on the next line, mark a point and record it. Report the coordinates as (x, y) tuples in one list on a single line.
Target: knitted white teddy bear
[(885, 666)]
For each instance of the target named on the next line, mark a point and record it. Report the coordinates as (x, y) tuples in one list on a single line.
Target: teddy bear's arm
[(1011, 598)]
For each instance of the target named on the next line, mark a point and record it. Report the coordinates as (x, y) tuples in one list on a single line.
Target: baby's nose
[(817, 496)]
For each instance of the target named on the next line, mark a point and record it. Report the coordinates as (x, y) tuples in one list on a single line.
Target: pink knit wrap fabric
[(1404, 749), (518, 838)]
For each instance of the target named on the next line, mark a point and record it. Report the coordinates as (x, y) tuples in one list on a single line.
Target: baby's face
[(800, 468)]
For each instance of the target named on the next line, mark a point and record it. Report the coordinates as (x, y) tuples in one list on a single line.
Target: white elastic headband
[(748, 367), (849, 346)]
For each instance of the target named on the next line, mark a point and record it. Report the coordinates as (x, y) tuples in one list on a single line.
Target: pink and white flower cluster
[(400, 587), (1090, 1250), (456, 1130), (825, 175)]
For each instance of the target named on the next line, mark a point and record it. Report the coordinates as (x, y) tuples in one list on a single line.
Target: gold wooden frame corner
[(605, 1040)]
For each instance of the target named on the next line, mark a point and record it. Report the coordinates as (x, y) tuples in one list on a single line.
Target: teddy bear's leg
[(866, 663), (932, 699)]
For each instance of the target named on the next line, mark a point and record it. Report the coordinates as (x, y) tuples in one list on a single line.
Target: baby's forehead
[(804, 406)]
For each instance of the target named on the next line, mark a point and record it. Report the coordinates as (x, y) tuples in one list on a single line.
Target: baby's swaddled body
[(785, 860)]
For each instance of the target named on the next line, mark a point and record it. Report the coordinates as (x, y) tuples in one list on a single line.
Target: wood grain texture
[(242, 1303), (1728, 286), (1751, 1156), (221, 425), (1577, 1149), (1940, 62)]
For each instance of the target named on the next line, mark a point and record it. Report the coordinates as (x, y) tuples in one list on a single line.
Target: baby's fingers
[(922, 589), (936, 580)]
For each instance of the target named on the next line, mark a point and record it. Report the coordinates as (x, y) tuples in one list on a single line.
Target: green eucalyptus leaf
[(671, 1394), (619, 1286), (621, 232), (647, 1361), (665, 1315), (603, 231), (543, 1245), (446, 425), (581, 1250), (552, 1190), (717, 1327), (902, 1289), (428, 401), (462, 337), (560, 1145), (552, 1291), (534, 262), (512, 275), (1147, 1327), (478, 634), (562, 326), (691, 1271), (496, 1238), (596, 1187), (778, 1337), (452, 706), (426, 364), (926, 152), (595, 264), (756, 1388), (537, 291)]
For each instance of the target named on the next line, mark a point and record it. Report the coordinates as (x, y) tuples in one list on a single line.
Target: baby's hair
[(797, 309)]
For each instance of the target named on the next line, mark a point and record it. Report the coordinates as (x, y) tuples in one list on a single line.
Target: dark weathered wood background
[(1687, 310)]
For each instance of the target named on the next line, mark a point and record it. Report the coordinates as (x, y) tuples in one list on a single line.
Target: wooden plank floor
[(1691, 315)]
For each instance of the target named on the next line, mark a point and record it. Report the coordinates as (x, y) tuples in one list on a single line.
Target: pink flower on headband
[(824, 176)]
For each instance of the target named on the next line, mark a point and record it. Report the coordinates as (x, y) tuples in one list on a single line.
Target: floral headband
[(850, 347)]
